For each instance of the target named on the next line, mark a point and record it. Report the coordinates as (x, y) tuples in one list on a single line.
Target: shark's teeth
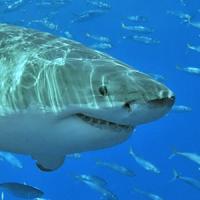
[(102, 123)]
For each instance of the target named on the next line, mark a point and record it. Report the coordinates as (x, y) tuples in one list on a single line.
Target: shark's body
[(58, 97)]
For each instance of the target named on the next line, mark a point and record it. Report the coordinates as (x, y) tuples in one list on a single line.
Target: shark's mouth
[(101, 123)]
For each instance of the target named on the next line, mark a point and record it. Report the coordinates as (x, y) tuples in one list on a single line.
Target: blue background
[(154, 141)]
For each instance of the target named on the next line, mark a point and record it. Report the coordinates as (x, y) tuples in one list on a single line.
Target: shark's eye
[(103, 90)]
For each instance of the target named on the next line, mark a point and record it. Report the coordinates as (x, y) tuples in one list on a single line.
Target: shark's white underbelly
[(46, 138)]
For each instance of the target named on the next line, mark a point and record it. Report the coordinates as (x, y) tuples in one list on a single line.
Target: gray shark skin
[(58, 97)]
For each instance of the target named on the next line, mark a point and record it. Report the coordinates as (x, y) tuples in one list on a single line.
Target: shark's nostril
[(168, 101), (127, 106)]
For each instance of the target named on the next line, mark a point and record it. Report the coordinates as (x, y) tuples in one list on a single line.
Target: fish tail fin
[(87, 35), (187, 20), (176, 175), (174, 152), (123, 25), (178, 67), (189, 46)]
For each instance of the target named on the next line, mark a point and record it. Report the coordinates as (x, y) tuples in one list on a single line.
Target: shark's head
[(111, 99)]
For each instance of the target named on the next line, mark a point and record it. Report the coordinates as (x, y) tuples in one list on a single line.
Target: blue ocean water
[(154, 141)]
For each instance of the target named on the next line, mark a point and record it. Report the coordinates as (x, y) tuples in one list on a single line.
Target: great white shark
[(58, 97)]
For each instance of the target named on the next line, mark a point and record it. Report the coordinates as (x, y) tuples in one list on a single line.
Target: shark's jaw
[(120, 118), (104, 124)]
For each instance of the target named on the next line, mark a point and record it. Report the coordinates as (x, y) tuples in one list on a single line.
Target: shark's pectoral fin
[(42, 168), (49, 163)]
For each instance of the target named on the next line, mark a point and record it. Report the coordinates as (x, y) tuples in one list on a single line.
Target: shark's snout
[(150, 101)]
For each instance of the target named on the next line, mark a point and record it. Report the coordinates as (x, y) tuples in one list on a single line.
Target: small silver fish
[(85, 16), (115, 167), (184, 17), (68, 35), (53, 4), (190, 156), (137, 18), (191, 70), (142, 39), (148, 195), (74, 155), (181, 109), (46, 23), (143, 163), (43, 3), (139, 28), (10, 158), (94, 184), (190, 181), (22, 190), (183, 2), (15, 5), (98, 38), (158, 77), (94, 179), (101, 46), (195, 24), (99, 4), (195, 48)]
